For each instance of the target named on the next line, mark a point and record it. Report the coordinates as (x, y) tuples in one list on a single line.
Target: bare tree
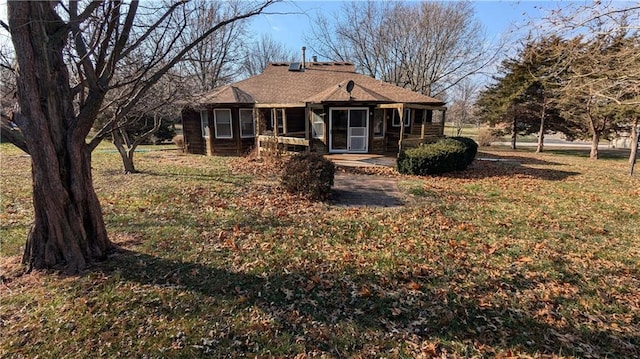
[(427, 47), (462, 109), (214, 61), (56, 114), (144, 120), (8, 98), (259, 53)]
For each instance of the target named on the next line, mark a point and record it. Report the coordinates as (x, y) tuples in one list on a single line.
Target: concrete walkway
[(359, 190)]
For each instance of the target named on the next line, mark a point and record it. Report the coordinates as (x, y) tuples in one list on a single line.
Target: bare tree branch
[(427, 47)]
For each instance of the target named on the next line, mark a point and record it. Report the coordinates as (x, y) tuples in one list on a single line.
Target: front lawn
[(533, 256)]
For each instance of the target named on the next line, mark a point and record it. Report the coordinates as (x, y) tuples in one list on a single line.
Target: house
[(324, 107)]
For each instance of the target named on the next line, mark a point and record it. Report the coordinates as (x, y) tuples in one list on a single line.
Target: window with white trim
[(317, 124), (396, 118), (222, 123), (247, 123), (204, 123)]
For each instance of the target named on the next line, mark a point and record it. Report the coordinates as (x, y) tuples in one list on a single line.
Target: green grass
[(537, 256), (450, 129)]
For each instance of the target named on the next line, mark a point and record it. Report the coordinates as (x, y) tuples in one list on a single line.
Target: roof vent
[(295, 66)]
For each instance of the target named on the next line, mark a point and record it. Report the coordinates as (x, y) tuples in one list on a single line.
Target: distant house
[(324, 107)]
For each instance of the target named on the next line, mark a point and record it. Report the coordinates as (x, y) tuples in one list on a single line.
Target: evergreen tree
[(524, 98)]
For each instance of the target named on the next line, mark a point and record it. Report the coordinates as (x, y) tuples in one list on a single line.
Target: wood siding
[(192, 132), (231, 146), (296, 127), (433, 132)]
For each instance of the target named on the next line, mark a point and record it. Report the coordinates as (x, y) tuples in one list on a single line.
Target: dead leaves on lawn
[(534, 259)]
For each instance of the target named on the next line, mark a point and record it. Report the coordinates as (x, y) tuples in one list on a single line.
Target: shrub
[(486, 136), (471, 149), (179, 141), (310, 175), (443, 156)]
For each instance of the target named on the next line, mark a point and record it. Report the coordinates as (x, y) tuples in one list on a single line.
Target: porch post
[(209, 139), (424, 124), (307, 116), (401, 114), (274, 117), (209, 143), (256, 121), (284, 121)]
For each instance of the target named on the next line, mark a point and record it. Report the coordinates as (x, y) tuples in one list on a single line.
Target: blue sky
[(498, 18), (295, 19)]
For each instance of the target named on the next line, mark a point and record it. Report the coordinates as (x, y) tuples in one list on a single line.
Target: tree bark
[(68, 232), (595, 133), (634, 145), (126, 154), (540, 147), (595, 141), (13, 136), (514, 133)]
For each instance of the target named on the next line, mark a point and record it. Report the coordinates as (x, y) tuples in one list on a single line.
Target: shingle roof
[(318, 82), (227, 94)]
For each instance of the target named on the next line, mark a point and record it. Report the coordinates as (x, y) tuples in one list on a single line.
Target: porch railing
[(281, 144)]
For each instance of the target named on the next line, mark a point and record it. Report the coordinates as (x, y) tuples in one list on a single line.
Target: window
[(429, 117), (222, 123), (247, 123), (317, 124), (204, 123), (396, 118), (418, 116), (378, 123)]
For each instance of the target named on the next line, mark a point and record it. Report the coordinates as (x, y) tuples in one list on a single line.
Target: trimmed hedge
[(471, 149), (446, 155), (310, 175)]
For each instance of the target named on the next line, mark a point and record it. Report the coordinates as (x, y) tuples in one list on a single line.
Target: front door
[(349, 130)]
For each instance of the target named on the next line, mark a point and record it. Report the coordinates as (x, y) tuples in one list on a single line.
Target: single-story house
[(323, 107)]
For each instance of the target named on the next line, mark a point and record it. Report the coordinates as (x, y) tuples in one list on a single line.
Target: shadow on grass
[(218, 177), (400, 306), (611, 154), (363, 198), (513, 158), (487, 165), (511, 168), (221, 177)]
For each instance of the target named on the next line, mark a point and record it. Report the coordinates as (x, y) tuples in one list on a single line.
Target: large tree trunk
[(540, 147), (514, 133), (595, 135), (634, 145), (68, 232), (595, 141), (126, 152)]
